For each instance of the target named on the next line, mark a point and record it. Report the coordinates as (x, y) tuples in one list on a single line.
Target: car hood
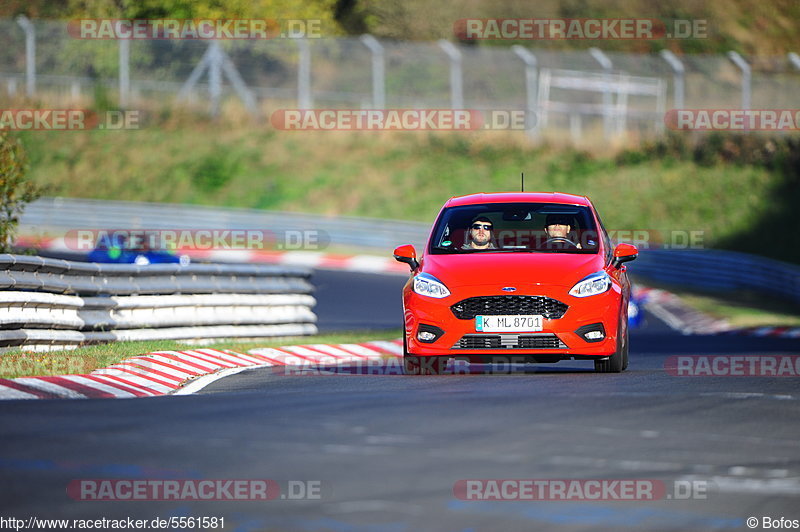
[(512, 269)]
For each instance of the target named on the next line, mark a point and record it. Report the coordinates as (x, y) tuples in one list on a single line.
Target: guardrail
[(718, 270), (701, 268), (71, 214), (48, 303)]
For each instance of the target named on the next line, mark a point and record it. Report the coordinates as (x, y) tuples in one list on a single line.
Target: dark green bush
[(15, 189)]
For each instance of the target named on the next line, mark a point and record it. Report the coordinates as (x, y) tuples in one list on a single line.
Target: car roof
[(518, 197)]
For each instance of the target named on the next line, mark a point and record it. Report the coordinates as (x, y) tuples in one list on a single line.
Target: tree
[(16, 191)]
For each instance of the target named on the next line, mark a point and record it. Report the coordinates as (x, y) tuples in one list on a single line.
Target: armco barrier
[(720, 271), (694, 268), (73, 213), (50, 302)]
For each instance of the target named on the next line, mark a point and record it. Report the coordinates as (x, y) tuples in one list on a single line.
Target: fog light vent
[(428, 333), (592, 333)]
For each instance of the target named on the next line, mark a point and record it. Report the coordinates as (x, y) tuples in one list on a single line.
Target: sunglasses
[(488, 227)]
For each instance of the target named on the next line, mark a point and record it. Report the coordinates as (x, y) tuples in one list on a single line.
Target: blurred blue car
[(635, 310), (114, 249)]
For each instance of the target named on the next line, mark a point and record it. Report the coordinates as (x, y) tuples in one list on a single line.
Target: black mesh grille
[(479, 341), (509, 341), (540, 342), (467, 309)]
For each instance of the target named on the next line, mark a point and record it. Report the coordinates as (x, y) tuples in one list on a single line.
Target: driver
[(557, 228), (480, 234)]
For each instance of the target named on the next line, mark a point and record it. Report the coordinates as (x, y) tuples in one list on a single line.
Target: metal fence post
[(241, 88), (30, 54), (304, 100), (607, 66), (215, 77), (794, 59), (456, 78), (531, 86), (124, 72), (678, 78), (739, 61), (217, 62), (195, 75), (378, 71)]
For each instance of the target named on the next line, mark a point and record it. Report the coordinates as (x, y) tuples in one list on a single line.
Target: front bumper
[(558, 338)]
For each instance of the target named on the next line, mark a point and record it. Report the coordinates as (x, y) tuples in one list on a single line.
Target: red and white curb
[(174, 372), (679, 316)]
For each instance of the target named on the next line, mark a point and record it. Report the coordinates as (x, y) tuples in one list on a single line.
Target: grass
[(409, 175), (749, 26), (83, 360)]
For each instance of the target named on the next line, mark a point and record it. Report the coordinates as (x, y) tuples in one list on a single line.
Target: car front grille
[(509, 341), (467, 309)]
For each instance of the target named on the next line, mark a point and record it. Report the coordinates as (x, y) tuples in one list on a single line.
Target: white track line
[(201, 382)]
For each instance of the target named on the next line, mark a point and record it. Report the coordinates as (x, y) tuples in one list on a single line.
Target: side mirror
[(408, 255), (624, 253)]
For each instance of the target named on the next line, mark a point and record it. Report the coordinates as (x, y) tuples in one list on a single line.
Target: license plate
[(525, 323)]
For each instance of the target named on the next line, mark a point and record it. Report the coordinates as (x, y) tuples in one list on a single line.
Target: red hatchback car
[(516, 277)]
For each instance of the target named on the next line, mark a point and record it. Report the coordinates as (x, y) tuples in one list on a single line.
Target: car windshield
[(515, 227)]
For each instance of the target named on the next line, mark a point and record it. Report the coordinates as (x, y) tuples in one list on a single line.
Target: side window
[(606, 239)]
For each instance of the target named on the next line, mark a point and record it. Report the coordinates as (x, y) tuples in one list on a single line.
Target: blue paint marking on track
[(335, 525), (591, 514), (128, 470)]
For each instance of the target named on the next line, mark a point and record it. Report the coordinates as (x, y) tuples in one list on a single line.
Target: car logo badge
[(509, 289)]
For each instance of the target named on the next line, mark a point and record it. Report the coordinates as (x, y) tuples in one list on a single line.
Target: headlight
[(591, 285), (428, 285)]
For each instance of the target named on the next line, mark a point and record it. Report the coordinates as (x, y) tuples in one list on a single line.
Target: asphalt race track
[(386, 450)]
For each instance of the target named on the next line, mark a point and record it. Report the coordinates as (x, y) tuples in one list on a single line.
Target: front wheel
[(414, 365), (619, 360)]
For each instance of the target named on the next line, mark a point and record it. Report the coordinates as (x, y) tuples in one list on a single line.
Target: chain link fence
[(569, 91)]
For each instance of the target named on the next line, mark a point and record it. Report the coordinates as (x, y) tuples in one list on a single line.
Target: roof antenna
[(522, 178)]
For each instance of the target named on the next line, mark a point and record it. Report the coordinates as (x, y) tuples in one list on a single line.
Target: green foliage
[(215, 170), (770, 212), (16, 190), (749, 26), (780, 153), (741, 190), (753, 27)]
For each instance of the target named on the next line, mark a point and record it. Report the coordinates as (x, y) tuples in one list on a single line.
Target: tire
[(414, 365), (625, 356), (619, 360)]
